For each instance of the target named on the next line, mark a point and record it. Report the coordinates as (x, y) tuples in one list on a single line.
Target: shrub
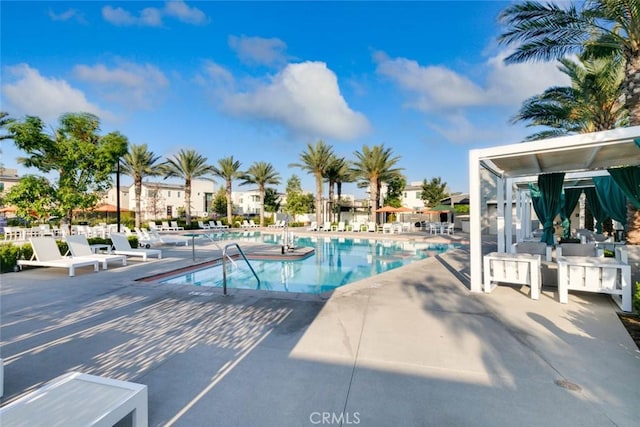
[(636, 299), (8, 257)]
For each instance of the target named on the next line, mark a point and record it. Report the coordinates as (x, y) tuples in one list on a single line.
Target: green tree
[(372, 167), (33, 195), (293, 184), (592, 102), (598, 28), (297, 201), (83, 160), (139, 163), (229, 170), (261, 174), (314, 161), (5, 121), (188, 165), (395, 190), (272, 200), (433, 191), (219, 205)]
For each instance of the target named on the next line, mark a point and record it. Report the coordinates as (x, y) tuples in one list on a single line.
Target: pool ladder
[(224, 265)]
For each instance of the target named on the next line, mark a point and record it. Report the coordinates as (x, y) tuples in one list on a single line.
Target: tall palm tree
[(594, 27), (261, 174), (188, 165), (5, 121), (314, 161), (592, 103), (139, 163), (336, 174), (229, 170), (375, 166), (343, 175)]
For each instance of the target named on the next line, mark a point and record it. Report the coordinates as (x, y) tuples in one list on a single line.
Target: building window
[(406, 195), (168, 193), (169, 211), (178, 194)]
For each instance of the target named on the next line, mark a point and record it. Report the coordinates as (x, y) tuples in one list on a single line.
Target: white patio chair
[(79, 248), (175, 226), (47, 254), (123, 247), (204, 226)]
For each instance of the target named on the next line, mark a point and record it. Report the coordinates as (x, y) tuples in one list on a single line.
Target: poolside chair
[(253, 224), (79, 248), (167, 240), (341, 226), (47, 254), (153, 226), (123, 247), (371, 227), (175, 226), (165, 226), (313, 226), (326, 226), (204, 226), (221, 226)]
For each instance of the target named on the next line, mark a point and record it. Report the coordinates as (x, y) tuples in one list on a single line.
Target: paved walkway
[(409, 347)]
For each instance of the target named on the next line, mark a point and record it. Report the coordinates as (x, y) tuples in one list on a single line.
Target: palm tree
[(188, 165), (336, 173), (315, 160), (5, 121), (261, 173), (138, 163), (228, 169), (592, 102), (375, 166), (600, 28)]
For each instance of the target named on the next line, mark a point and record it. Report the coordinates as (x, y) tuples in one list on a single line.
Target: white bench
[(521, 269), (77, 399), (595, 274)]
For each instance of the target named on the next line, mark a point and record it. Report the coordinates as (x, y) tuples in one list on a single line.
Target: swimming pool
[(336, 262)]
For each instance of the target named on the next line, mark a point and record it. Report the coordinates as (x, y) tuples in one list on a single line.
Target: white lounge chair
[(312, 227), (168, 240), (123, 247), (175, 226), (204, 226), (47, 254), (221, 226), (372, 227), (79, 248)]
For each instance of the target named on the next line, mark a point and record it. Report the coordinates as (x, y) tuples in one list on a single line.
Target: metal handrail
[(224, 267)]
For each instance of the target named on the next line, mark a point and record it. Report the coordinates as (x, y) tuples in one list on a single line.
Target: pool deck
[(409, 347)]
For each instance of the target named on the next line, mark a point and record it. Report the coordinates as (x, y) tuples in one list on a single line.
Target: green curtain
[(550, 186), (595, 208), (628, 179), (536, 201), (570, 200), (612, 199)]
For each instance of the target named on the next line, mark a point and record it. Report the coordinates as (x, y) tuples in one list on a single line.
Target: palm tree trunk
[(229, 203), (319, 198), (373, 197), (261, 190), (187, 199), (138, 196), (331, 201), (632, 92), (339, 185)]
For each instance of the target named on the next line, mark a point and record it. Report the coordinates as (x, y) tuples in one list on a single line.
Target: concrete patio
[(409, 347)]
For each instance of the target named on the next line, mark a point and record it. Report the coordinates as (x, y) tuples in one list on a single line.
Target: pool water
[(336, 262)]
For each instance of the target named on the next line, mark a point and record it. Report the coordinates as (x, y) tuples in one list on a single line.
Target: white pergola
[(580, 157)]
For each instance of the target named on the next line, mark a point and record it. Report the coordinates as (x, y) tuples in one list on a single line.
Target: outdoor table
[(96, 249)]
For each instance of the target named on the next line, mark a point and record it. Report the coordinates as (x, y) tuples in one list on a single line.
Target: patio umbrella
[(108, 208)]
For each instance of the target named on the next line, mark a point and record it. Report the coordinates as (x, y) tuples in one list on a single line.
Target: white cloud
[(152, 17), (258, 50), (220, 77), (67, 15), (30, 93), (190, 15), (130, 84), (305, 99), (436, 88)]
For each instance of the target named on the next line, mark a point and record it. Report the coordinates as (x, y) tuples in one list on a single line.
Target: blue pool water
[(336, 262)]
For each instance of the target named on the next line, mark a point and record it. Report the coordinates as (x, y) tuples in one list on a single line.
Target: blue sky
[(260, 80)]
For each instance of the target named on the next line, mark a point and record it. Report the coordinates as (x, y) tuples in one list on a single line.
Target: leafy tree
[(395, 189), (261, 173), (433, 191), (297, 201), (219, 204), (315, 161), (139, 163), (188, 165), (83, 160), (32, 195), (271, 200), (294, 184), (229, 170), (592, 102), (372, 167)]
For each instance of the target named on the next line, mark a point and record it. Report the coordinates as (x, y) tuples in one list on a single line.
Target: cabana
[(509, 168)]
